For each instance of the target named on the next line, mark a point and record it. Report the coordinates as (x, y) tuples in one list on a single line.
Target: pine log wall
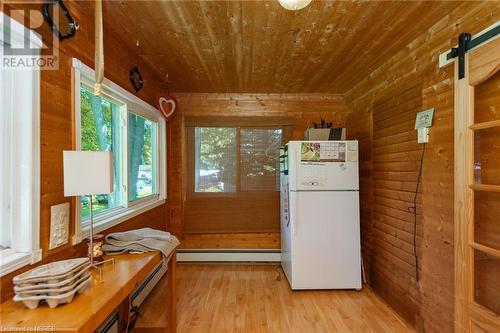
[(395, 162), (301, 108), (57, 126), (382, 110)]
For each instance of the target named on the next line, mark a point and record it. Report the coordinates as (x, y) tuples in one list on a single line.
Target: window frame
[(24, 246), (143, 200), (83, 76), (87, 83)]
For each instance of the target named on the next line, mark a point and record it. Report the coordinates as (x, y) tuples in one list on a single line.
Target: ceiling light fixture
[(294, 4)]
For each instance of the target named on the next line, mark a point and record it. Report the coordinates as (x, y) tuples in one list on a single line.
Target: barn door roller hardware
[(466, 43), (463, 46)]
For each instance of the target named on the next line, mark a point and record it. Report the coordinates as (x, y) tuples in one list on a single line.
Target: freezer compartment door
[(324, 165), (325, 240)]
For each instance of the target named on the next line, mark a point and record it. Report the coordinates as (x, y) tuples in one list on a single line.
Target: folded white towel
[(141, 240), (138, 234)]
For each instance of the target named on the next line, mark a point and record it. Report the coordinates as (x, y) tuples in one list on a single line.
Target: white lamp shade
[(87, 172)]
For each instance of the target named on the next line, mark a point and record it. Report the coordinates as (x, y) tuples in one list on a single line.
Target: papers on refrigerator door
[(332, 152), (314, 175), (323, 152), (310, 152)]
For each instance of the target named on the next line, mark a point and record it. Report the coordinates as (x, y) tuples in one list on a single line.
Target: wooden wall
[(395, 158), (382, 108), (302, 108), (56, 125)]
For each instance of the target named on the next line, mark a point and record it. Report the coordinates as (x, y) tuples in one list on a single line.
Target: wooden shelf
[(488, 319), (486, 249), (485, 187), (485, 125)]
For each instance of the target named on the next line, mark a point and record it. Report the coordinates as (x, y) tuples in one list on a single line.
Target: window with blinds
[(233, 173), (237, 159)]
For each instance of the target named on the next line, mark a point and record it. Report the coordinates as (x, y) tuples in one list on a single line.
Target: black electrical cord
[(413, 210)]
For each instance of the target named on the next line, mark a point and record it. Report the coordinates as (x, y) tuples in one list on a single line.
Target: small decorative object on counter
[(97, 247), (54, 283), (324, 131)]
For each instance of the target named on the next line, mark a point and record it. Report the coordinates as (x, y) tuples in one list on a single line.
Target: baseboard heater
[(228, 255)]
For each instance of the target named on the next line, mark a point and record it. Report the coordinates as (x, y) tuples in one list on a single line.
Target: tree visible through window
[(142, 157), (259, 155), (100, 131), (215, 159), (234, 159)]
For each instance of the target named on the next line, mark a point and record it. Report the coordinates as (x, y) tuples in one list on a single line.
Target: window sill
[(11, 261), (116, 219)]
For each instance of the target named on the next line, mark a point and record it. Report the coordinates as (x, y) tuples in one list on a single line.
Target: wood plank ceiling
[(257, 46)]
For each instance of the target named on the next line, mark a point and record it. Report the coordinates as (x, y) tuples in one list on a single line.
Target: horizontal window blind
[(259, 158)]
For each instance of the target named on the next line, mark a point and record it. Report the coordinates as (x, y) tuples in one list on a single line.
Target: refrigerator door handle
[(295, 221)]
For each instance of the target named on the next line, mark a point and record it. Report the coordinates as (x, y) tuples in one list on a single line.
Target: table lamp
[(88, 173)]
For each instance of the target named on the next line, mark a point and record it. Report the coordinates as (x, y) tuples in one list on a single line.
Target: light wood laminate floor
[(248, 298)]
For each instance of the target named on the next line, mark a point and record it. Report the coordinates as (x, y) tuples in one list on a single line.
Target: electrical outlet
[(423, 135)]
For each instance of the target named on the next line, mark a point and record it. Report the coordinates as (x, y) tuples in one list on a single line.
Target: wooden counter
[(88, 310)]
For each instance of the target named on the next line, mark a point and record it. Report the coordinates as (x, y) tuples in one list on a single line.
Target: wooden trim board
[(229, 255)]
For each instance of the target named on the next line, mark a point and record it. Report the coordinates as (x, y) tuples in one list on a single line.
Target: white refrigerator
[(320, 236)]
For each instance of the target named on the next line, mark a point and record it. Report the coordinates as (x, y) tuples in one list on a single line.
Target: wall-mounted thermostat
[(422, 124)]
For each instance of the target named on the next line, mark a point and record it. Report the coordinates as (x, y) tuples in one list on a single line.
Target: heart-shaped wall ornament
[(167, 105)]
